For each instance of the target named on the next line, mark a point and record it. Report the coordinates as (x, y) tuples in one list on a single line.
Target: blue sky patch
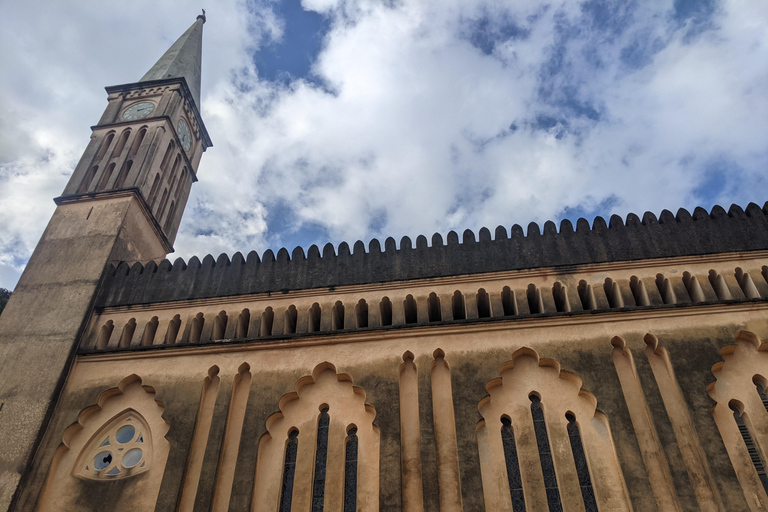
[(293, 56)]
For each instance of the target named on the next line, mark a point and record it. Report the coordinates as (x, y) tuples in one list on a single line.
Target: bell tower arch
[(123, 202)]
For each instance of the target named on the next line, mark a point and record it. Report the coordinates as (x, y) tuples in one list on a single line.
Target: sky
[(339, 120)]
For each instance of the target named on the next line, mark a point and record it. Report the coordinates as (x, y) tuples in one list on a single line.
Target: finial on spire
[(201, 16)]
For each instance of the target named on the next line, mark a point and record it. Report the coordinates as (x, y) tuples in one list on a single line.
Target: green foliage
[(4, 296)]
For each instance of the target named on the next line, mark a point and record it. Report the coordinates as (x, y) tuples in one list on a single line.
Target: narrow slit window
[(534, 300), (243, 322), (513, 466), (409, 304), (483, 304), (508, 301), (386, 311), (314, 318), (761, 388), (219, 326), (545, 455), (754, 454), (350, 472), (457, 305), (361, 311), (105, 146), (434, 308), (582, 469), (289, 470), (321, 456), (560, 295), (337, 320), (197, 328), (173, 330), (266, 321), (291, 315)]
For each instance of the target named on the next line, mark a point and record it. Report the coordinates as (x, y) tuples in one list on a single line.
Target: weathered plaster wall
[(48, 311), (582, 345)]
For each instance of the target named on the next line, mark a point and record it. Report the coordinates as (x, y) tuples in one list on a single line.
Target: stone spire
[(183, 59)]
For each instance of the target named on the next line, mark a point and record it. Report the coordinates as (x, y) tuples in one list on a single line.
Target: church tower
[(123, 202)]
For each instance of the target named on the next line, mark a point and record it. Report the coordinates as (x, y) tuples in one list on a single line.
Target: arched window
[(613, 293), (127, 335), (267, 317), (320, 417), (535, 302), (433, 308), (582, 469), (170, 218), (219, 326), (153, 191), (161, 207), (182, 182), (752, 448), (350, 471), (120, 436), (760, 384), (313, 322), (289, 323), (385, 307), (411, 315), (508, 301), (123, 175), (534, 416), (105, 146), (545, 455), (457, 306), (739, 407), (167, 156), (639, 292), (173, 330), (361, 311), (137, 141), (337, 316), (104, 181), (85, 185), (718, 284), (121, 143), (243, 322), (104, 334), (197, 328), (289, 471), (174, 171), (148, 337), (483, 304), (560, 295), (513, 466), (321, 458)]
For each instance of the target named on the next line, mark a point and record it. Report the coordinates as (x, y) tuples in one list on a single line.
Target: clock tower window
[(123, 174), (105, 145), (121, 143), (88, 180), (105, 177), (137, 142)]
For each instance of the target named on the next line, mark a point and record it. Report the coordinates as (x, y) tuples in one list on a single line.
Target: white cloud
[(416, 130)]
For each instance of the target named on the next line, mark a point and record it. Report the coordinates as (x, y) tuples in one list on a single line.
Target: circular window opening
[(132, 457), (125, 434), (102, 460)]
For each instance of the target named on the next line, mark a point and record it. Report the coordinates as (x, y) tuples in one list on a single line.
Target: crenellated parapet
[(669, 235)]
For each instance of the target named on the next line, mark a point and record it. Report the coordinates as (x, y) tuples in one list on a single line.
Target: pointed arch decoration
[(299, 412), (563, 401), (119, 437), (734, 389)]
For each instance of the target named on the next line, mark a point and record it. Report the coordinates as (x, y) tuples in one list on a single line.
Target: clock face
[(184, 136), (138, 111)]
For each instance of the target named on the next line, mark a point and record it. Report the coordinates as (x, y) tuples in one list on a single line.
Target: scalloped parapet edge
[(667, 235)]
